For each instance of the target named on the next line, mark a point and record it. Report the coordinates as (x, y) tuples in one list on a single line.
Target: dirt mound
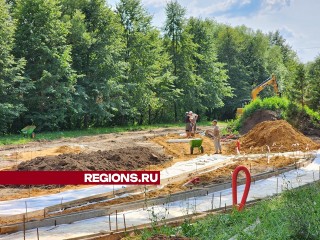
[(258, 117), (120, 159), (278, 135), (68, 149)]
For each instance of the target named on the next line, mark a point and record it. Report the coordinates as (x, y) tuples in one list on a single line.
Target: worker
[(188, 125), (193, 120), (216, 137)]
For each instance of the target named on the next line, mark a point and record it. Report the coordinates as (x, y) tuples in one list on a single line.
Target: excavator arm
[(270, 81), (254, 93)]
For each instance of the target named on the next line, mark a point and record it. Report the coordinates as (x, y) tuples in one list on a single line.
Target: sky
[(297, 20)]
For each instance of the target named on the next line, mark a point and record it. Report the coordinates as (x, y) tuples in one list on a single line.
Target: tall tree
[(276, 39), (230, 43), (282, 61), (253, 55), (41, 40), (212, 85), (13, 86), (313, 74), (299, 86), (181, 50), (174, 26), (96, 50), (146, 62)]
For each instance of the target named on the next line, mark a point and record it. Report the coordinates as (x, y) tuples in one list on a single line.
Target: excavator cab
[(244, 102)]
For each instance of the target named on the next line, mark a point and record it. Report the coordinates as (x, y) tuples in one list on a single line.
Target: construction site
[(192, 185)]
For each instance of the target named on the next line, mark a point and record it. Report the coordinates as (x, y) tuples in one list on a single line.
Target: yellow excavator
[(254, 93)]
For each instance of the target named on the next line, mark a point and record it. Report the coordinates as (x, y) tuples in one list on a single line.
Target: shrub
[(277, 104), (301, 117)]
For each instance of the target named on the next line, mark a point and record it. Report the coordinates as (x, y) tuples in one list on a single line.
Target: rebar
[(124, 222)]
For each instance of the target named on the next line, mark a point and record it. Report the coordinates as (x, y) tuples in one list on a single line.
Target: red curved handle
[(234, 187), (238, 144)]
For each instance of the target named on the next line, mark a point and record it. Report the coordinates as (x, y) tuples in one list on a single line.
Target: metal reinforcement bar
[(95, 198), (176, 221), (40, 214), (52, 221), (43, 213), (103, 211), (131, 189)]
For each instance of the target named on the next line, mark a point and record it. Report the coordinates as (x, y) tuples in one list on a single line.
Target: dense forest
[(71, 64)]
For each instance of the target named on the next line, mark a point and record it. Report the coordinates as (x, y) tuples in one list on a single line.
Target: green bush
[(301, 117), (314, 116), (277, 104)]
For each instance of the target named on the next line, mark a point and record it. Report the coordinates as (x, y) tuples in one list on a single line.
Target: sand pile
[(278, 135), (67, 149), (120, 159)]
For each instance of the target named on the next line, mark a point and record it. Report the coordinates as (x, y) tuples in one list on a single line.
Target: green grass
[(209, 123), (295, 214), (19, 139)]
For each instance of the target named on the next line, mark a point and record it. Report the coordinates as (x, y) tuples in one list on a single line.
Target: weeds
[(295, 214)]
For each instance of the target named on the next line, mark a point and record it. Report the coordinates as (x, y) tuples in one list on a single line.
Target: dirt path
[(11, 155), (220, 175), (42, 155), (129, 150), (81, 153)]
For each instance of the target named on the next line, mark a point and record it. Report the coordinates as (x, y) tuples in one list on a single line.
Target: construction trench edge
[(70, 218)]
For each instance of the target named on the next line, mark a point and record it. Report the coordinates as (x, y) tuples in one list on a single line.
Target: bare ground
[(131, 150), (117, 151)]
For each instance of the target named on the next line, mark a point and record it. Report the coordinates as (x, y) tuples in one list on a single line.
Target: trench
[(194, 201)]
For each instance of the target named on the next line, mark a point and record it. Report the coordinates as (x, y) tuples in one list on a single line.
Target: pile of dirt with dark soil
[(258, 117), (121, 159), (278, 136)]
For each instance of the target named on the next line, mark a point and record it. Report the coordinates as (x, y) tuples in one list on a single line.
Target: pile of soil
[(278, 135), (120, 159), (258, 117)]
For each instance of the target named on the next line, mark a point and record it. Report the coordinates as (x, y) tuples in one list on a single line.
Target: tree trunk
[(86, 121), (175, 112), (149, 115)]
